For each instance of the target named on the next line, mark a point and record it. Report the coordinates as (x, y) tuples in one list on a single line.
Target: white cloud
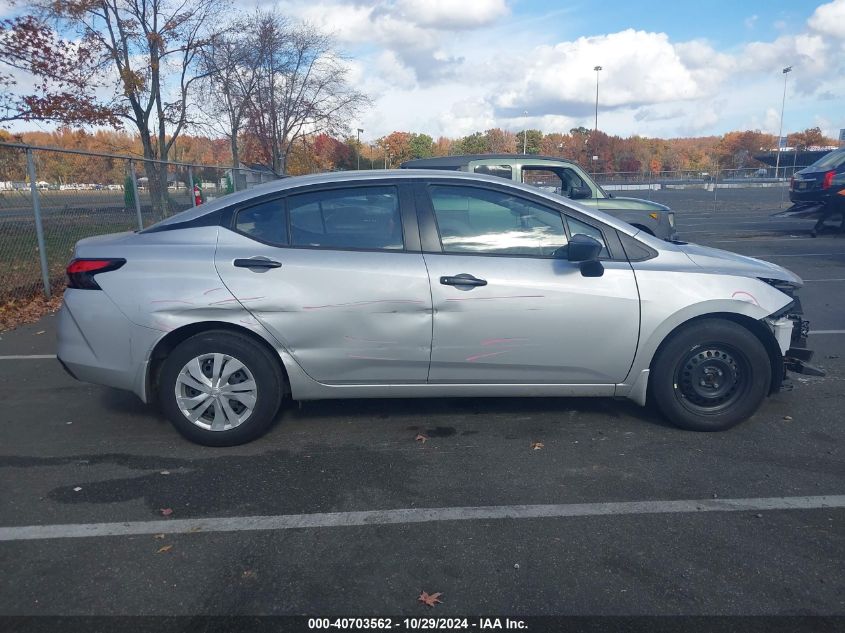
[(638, 68), (452, 14), (829, 19)]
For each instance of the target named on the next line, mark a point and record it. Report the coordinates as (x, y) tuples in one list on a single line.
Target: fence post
[(39, 228), (135, 195), (191, 186), (715, 187)]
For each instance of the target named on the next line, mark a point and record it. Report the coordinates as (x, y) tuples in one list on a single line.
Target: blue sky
[(452, 67), (670, 68)]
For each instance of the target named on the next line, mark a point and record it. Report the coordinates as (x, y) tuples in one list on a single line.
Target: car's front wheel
[(220, 388), (711, 375)]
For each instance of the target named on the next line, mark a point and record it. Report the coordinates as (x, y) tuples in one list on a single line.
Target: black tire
[(259, 365), (710, 375)]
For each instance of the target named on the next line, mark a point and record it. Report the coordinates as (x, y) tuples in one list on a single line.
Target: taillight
[(80, 272), (828, 179)]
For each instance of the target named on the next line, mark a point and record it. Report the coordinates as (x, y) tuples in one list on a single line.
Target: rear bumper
[(98, 344)]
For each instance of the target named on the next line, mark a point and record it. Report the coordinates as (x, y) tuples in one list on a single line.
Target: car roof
[(295, 182), (459, 160)]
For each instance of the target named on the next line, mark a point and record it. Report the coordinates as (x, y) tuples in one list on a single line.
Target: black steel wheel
[(710, 375)]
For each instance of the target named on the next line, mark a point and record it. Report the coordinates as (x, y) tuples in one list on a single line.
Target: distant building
[(251, 174)]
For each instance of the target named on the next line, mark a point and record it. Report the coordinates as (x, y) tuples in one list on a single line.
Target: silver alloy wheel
[(217, 392)]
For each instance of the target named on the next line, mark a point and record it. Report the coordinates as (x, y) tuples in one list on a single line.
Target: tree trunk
[(236, 161)]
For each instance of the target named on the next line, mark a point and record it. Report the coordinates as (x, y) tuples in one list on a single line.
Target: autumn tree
[(62, 88), (500, 141), (302, 88), (811, 137), (155, 49)]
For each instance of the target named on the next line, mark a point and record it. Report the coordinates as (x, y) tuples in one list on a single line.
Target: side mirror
[(580, 193), (585, 250)]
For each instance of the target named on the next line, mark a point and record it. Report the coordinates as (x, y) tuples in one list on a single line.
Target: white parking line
[(827, 331), (414, 515), (27, 357), (755, 240), (767, 255)]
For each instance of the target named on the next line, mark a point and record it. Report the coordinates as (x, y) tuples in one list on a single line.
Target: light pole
[(525, 135), (358, 149), (785, 72), (597, 69)]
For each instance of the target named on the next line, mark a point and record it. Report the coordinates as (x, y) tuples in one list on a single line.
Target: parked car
[(417, 283), (818, 191), (564, 178)]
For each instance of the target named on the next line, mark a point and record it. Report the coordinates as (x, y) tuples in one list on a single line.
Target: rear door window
[(265, 222), (355, 218)]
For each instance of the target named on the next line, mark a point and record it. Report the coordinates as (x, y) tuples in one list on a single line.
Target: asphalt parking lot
[(73, 454)]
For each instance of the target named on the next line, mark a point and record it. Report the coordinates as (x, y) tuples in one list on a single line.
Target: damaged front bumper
[(791, 331)]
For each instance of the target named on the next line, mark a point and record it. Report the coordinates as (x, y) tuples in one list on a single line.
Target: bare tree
[(302, 88), (153, 48), (232, 68)]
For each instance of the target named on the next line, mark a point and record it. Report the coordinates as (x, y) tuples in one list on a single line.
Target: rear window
[(830, 161), (502, 171)]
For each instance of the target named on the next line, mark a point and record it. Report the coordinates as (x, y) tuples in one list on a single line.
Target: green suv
[(564, 178)]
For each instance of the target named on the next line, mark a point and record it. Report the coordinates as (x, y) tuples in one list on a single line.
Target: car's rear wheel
[(711, 375), (220, 388)]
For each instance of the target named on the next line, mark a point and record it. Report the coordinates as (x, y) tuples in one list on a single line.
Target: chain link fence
[(705, 178), (50, 199)]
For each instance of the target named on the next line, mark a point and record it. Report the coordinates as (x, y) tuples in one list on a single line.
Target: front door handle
[(463, 280), (257, 262)]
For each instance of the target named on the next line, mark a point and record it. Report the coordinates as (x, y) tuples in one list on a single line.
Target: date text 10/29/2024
[(417, 624)]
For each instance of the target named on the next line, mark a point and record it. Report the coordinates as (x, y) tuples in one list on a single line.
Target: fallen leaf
[(77, 489), (165, 512), (430, 599), (536, 446), (248, 573), (788, 418), (196, 528), (158, 537), (421, 438), (41, 332), (164, 549)]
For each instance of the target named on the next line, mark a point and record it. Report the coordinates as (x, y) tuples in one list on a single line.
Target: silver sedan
[(420, 284)]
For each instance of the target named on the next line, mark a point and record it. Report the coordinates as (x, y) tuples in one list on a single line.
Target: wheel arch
[(755, 326), (172, 339)]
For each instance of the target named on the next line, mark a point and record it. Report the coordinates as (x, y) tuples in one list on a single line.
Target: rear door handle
[(257, 262), (463, 279)]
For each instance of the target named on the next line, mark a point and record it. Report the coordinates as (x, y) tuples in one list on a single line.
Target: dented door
[(356, 314), (507, 307)]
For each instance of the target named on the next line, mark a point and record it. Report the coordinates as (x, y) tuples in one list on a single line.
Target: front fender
[(665, 306)]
